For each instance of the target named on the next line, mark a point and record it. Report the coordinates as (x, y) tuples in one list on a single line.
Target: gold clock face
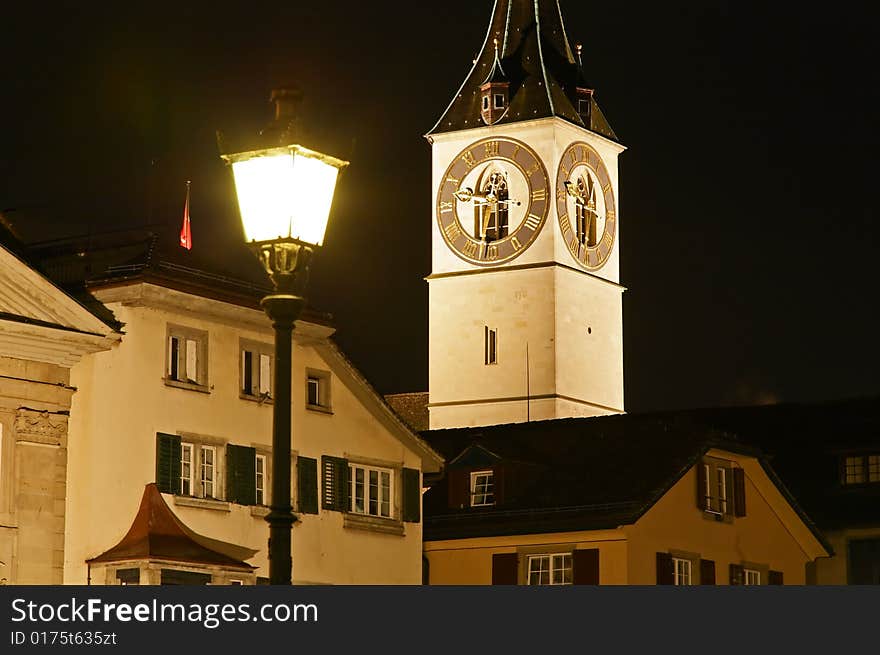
[(586, 207), (493, 201)]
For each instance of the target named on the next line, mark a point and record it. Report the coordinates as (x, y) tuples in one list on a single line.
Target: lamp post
[(284, 194)]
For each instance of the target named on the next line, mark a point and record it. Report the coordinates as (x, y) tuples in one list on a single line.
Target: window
[(584, 107), (751, 577), (721, 489), (491, 346), (482, 489), (499, 101), (260, 478), (861, 469), (550, 569), (318, 390), (256, 371), (208, 476), (370, 490), (187, 356), (682, 572), (186, 469), (485, 103)]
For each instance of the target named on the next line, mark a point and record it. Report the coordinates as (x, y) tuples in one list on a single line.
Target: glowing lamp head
[(285, 193)]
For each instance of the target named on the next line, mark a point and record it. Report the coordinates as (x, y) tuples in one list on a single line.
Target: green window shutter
[(775, 578), (168, 463), (736, 574), (307, 485), (241, 475), (585, 564), (412, 495), (739, 492), (707, 572), (334, 484), (504, 568), (665, 569)]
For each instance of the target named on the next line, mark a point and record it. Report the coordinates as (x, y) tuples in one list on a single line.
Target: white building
[(185, 400)]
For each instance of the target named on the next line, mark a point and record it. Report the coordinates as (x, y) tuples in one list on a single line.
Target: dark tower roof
[(537, 61)]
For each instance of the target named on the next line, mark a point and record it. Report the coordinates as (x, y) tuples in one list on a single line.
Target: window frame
[(864, 470), (490, 346), (498, 100), (324, 391), (202, 465), (472, 493), (353, 466), (187, 446), (718, 492), (261, 501), (258, 351), (750, 573), (678, 576), (551, 568), (185, 335)]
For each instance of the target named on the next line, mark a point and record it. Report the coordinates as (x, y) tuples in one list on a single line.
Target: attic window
[(482, 489), (499, 101), (583, 107), (861, 469), (485, 103)]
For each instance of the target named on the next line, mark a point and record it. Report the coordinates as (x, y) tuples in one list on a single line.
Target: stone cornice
[(45, 428), (52, 345)]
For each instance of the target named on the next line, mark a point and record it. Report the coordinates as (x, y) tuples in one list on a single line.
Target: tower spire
[(527, 42)]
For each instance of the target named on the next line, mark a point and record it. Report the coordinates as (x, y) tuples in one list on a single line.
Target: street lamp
[(284, 193)]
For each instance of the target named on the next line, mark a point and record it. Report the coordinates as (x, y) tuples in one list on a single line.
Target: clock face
[(493, 201), (586, 207)]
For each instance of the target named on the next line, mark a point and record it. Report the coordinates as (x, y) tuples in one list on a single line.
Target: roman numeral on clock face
[(533, 222), (445, 207), (492, 149), (452, 231), (539, 194)]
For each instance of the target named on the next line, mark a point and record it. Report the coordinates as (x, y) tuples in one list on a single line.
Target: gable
[(474, 456), (25, 295)]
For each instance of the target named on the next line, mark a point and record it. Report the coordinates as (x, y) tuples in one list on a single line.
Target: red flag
[(186, 237)]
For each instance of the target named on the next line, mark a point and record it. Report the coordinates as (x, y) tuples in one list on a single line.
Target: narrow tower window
[(491, 346)]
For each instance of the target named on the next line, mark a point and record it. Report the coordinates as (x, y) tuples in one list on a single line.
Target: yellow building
[(625, 500)]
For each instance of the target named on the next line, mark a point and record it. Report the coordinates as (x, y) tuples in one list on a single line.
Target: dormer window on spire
[(495, 92)]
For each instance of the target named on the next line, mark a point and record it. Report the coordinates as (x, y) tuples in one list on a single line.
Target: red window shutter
[(701, 486), (736, 574), (775, 578), (707, 572), (586, 566), (665, 569), (739, 492), (499, 482), (504, 568), (459, 483)]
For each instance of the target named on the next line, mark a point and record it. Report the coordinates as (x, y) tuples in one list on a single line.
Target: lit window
[(482, 489), (186, 469), (208, 471), (491, 346), (318, 390), (260, 478), (681, 572), (186, 360), (256, 371), (550, 569), (370, 490), (751, 577), (861, 469)]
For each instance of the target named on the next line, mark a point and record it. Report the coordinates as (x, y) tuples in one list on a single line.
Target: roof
[(157, 534), (412, 408), (226, 272), (537, 60), (583, 474), (602, 472)]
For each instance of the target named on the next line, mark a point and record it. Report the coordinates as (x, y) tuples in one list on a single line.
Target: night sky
[(749, 230)]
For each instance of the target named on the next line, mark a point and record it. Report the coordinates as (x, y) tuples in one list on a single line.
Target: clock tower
[(525, 301)]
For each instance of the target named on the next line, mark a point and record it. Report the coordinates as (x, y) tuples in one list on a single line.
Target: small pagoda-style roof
[(537, 61), (157, 534)]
